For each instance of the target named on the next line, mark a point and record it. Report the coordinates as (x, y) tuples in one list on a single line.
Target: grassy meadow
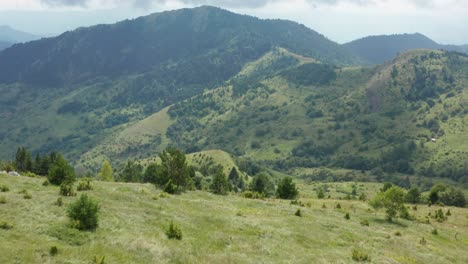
[(220, 229)]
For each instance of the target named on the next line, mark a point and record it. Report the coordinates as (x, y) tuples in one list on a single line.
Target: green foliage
[(53, 250), (23, 161), (413, 196), (392, 200), (61, 172), (364, 222), (311, 74), (106, 172), (4, 188), (447, 195), (59, 202), (84, 213), (153, 174), (169, 187), (99, 260), (27, 196), (434, 231), (174, 167), (66, 189), (220, 184), (84, 185), (287, 189), (174, 232), (439, 216), (7, 166), (3, 200), (360, 256), (236, 180), (347, 217), (262, 183), (320, 193), (298, 212), (132, 172), (5, 225), (252, 195)]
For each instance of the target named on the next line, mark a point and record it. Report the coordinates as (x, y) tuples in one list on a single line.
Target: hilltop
[(383, 48)]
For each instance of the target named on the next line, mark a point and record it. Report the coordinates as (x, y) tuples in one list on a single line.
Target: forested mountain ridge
[(304, 115), (270, 91), (147, 43), (71, 91), (379, 49)]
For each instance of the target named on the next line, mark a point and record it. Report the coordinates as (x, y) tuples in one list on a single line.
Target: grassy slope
[(218, 229)]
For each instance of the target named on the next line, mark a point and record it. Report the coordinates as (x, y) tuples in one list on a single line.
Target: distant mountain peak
[(381, 48)]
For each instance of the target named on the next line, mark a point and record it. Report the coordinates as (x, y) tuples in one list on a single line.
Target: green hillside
[(220, 229), (381, 118), (77, 90)]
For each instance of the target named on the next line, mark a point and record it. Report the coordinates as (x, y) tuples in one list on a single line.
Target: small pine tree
[(298, 213), (347, 217), (106, 172), (61, 171), (320, 193), (174, 232), (84, 213), (287, 189), (53, 250)]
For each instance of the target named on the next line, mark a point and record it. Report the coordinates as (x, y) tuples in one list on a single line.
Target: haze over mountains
[(9, 36), (271, 91)]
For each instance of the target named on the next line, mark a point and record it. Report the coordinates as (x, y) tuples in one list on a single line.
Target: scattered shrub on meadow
[(347, 217), (324, 206), (59, 202), (439, 216), (320, 193), (5, 226), (66, 189), (174, 232), (298, 213), (423, 241), (398, 233), (27, 196), (435, 231), (448, 213), (84, 185), (338, 206), (252, 195), (45, 183), (3, 200), (365, 222), (363, 197), (170, 187), (360, 256), (53, 250), (84, 213), (4, 188)]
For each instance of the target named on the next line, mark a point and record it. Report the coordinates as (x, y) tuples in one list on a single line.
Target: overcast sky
[(445, 21)]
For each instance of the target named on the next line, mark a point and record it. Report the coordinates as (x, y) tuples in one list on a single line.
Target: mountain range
[(379, 49), (272, 92)]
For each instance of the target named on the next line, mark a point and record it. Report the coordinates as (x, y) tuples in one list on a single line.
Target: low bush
[(365, 222), (398, 233), (347, 217), (435, 231), (53, 250), (174, 232), (252, 195), (84, 213), (3, 200), (46, 183), (298, 213), (59, 202), (99, 260), (84, 185), (66, 189), (4, 188), (360, 256), (5, 225), (338, 206), (27, 196)]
